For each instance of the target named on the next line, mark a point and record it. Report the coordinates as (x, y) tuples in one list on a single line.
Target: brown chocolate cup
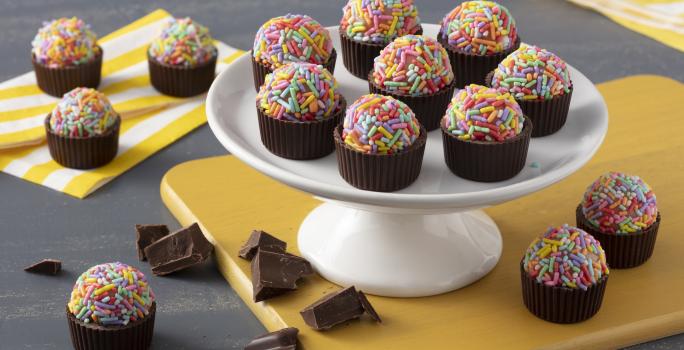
[(473, 69), (487, 161), (429, 109), (83, 152), (134, 336), (59, 81), (300, 140), (180, 81), (260, 70), (358, 57), (377, 172), (622, 251), (561, 304)]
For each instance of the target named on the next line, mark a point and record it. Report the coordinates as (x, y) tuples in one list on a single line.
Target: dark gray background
[(197, 309)]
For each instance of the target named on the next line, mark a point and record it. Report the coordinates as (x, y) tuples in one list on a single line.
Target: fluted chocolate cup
[(83, 152), (378, 172), (60, 80), (181, 81), (300, 140), (623, 251), (133, 336), (260, 70), (485, 161)]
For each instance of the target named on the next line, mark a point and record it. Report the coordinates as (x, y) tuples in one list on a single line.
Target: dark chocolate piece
[(45, 267), (276, 273), (333, 309), (261, 240), (179, 250), (284, 339), (366, 305), (146, 235)]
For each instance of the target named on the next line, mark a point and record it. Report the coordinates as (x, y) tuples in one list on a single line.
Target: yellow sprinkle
[(104, 289), (385, 132)]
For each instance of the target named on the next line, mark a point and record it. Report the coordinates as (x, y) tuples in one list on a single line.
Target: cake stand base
[(398, 254)]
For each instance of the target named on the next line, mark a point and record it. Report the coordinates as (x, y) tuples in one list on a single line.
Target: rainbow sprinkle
[(65, 42), (111, 294), (82, 112), (621, 204), (378, 124), (479, 113), (480, 28), (299, 92), (532, 73), (379, 21), (413, 65), (566, 256), (292, 38), (183, 42)]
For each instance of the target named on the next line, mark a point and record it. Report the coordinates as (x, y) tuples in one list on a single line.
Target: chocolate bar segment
[(284, 339), (261, 240), (49, 267), (276, 273), (333, 309), (179, 250), (366, 305), (146, 235)]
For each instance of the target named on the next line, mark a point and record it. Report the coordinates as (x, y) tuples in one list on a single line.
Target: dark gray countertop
[(200, 311)]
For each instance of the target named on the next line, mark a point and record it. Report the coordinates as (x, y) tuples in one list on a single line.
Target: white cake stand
[(427, 239)]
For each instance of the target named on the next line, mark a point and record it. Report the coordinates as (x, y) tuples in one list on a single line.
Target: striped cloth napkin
[(125, 81), (662, 20)]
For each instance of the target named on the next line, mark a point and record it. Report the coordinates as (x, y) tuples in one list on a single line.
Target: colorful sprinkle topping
[(379, 21), (112, 294), (82, 112), (620, 204), (292, 38), (566, 256), (480, 28), (378, 124), (532, 73), (299, 92), (65, 42), (479, 113), (413, 65), (183, 42)]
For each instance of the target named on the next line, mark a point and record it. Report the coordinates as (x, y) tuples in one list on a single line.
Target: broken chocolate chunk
[(333, 309), (178, 250), (146, 235), (276, 273), (284, 339), (45, 267), (366, 305), (261, 240)]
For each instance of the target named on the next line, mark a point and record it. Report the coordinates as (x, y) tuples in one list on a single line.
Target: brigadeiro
[(380, 144), (415, 70), (112, 307), (485, 135), (367, 26), (564, 275), (477, 35), (620, 210), (65, 55), (540, 82), (298, 107), (290, 38), (83, 130), (182, 59)]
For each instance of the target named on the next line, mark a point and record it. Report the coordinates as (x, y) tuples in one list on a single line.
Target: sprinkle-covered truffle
[(292, 38), (532, 73), (413, 65), (379, 21), (479, 28), (183, 42), (566, 256), (479, 113), (65, 42), (82, 112), (618, 203), (299, 92), (111, 294), (378, 124)]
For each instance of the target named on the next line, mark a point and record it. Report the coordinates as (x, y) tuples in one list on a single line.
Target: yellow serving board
[(229, 199)]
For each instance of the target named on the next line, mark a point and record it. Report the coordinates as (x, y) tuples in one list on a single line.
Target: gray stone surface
[(198, 310)]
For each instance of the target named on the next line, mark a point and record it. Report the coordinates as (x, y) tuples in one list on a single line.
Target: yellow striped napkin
[(662, 20), (125, 81)]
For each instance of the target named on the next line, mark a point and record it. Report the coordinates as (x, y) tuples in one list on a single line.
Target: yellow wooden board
[(229, 199)]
